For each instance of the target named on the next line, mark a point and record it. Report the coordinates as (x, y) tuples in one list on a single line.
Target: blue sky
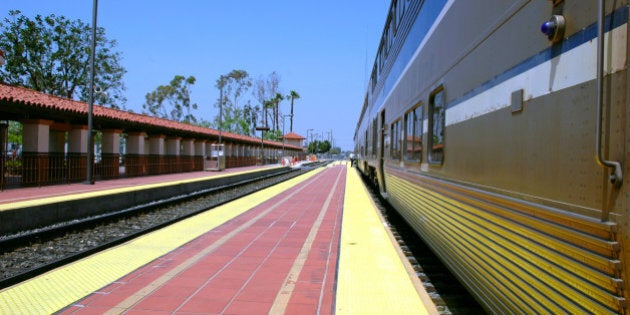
[(322, 49)]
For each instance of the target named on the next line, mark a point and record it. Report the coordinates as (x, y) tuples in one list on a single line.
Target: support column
[(188, 155), (135, 162), (57, 168), (110, 164), (227, 155), (200, 155), (6, 165), (35, 151), (157, 158), (236, 161), (173, 156), (250, 154), (77, 152)]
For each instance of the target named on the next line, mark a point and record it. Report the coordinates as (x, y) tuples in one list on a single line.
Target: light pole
[(263, 127), (283, 139), (330, 143), (221, 84), (309, 132), (90, 141)]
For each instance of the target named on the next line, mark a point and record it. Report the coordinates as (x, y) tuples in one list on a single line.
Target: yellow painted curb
[(373, 279)]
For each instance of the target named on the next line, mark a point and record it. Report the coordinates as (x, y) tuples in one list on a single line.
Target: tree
[(324, 146), (172, 101), (234, 118), (317, 146), (250, 114), (268, 104), (51, 54), (293, 95), (265, 90), (276, 109)]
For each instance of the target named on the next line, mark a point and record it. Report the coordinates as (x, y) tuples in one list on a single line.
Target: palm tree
[(276, 100), (266, 105), (293, 95)]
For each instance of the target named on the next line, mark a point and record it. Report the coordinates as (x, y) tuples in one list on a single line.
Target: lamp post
[(309, 133), (90, 141), (330, 142), (263, 127), (283, 139), (221, 85)]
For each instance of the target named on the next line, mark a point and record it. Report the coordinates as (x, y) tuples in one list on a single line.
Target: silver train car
[(500, 130)]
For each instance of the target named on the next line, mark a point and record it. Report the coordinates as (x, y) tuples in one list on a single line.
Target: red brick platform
[(279, 257)]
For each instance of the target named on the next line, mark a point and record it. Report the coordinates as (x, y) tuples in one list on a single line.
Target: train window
[(374, 137), (437, 112), (400, 10), (392, 14), (396, 140), (374, 78), (413, 135), (365, 150)]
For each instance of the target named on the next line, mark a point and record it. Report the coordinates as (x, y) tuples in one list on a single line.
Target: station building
[(54, 145)]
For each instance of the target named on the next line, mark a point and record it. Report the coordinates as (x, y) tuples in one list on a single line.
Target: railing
[(34, 169)]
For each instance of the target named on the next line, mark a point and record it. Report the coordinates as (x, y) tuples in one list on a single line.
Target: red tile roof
[(293, 136), (30, 99)]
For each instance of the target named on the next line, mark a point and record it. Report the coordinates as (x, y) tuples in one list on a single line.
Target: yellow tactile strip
[(372, 278), (56, 289)]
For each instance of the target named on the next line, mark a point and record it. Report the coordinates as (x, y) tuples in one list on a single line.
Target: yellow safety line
[(373, 278), (59, 288), (91, 194)]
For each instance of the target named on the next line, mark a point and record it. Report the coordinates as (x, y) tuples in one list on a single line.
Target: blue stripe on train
[(616, 19)]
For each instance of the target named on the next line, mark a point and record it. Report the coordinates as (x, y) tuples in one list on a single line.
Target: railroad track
[(28, 254)]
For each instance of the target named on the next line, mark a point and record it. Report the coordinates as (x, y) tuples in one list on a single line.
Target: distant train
[(500, 130)]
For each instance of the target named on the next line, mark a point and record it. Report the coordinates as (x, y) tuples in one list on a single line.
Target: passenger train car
[(500, 130)]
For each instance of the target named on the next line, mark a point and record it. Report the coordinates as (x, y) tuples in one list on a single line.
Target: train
[(500, 131)]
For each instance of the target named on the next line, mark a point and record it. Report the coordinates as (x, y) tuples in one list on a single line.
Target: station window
[(413, 135), (437, 113), (396, 140)]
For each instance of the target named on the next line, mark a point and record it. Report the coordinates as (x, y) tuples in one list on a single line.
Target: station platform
[(36, 207), (315, 244), (15, 198)]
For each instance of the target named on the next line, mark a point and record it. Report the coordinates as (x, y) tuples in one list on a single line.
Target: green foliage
[(51, 54), (273, 135), (276, 109), (13, 166), (15, 132), (293, 95), (234, 118), (172, 101), (317, 146)]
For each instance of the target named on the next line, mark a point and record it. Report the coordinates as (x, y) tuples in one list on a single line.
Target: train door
[(381, 153)]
